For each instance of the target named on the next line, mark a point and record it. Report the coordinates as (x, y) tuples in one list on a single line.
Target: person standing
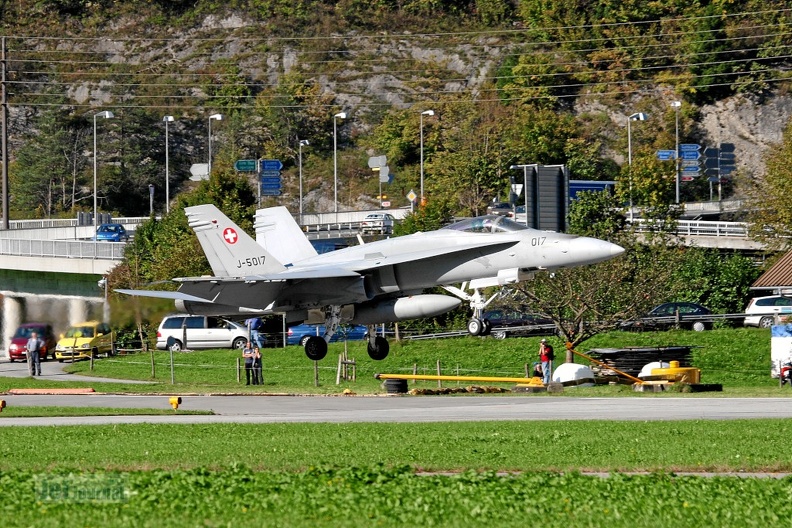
[(247, 354), (258, 376), (33, 348), (546, 356), (254, 325)]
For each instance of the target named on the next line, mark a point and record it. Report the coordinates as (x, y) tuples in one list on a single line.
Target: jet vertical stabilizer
[(231, 252), (278, 233)]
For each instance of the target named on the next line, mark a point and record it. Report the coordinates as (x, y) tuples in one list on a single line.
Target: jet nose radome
[(591, 250)]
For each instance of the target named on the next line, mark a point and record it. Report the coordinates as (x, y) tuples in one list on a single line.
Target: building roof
[(778, 276)]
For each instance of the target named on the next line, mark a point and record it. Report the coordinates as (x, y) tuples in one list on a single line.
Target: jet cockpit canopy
[(487, 224)]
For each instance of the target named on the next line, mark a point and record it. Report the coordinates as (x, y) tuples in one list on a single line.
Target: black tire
[(60, 361), (175, 345), (11, 360), (396, 386), (475, 326), (379, 350), (239, 343), (766, 322), (315, 348)]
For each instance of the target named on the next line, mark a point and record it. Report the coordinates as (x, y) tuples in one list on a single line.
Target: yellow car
[(83, 340)]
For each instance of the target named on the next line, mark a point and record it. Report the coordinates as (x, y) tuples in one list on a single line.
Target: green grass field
[(429, 474), (737, 358)]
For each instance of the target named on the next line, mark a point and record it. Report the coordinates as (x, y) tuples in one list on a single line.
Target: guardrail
[(698, 228), (62, 249)]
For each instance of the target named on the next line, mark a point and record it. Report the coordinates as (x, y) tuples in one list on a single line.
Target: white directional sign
[(199, 171), (516, 188)]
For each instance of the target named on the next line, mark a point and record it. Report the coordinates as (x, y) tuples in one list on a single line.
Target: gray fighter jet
[(377, 282)]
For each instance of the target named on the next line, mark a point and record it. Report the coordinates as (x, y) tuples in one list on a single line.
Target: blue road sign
[(271, 181), (270, 192), (270, 164), (690, 154), (665, 155), (691, 170), (686, 147), (270, 174)]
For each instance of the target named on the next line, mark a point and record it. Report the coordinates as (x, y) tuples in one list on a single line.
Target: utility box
[(546, 197)]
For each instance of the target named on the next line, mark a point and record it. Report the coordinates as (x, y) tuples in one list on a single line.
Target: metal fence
[(62, 249)]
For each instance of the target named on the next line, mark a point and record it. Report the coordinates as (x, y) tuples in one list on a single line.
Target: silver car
[(179, 332)]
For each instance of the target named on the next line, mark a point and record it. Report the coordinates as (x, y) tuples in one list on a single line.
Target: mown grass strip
[(738, 445), (379, 496)]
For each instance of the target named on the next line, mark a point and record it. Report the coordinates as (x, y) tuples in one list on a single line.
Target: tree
[(771, 216), (588, 300), (48, 176)]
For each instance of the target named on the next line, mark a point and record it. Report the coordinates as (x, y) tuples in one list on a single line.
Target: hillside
[(508, 82)]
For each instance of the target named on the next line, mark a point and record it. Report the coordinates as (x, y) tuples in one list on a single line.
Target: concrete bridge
[(49, 271)]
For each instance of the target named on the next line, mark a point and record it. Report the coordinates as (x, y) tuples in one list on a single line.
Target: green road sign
[(245, 165)]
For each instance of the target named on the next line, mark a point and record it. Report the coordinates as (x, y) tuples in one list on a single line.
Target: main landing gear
[(316, 346)]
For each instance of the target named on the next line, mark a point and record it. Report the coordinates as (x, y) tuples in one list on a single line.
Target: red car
[(17, 348)]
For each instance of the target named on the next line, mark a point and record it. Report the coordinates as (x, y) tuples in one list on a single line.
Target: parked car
[(202, 332), (520, 216), (83, 340), (16, 350), (377, 223), (511, 322), (767, 308), (500, 209), (111, 233), (299, 334), (692, 316)]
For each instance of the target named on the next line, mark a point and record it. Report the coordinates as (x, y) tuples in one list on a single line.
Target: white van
[(201, 332), (767, 308)]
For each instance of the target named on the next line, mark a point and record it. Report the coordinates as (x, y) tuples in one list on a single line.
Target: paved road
[(342, 409)]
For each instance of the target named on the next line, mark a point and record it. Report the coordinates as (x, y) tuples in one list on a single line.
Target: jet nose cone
[(592, 250)]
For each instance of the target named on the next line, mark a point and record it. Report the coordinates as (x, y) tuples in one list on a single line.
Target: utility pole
[(4, 132)]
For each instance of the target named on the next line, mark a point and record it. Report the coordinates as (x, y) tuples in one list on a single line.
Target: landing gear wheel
[(487, 327), (379, 350), (475, 326), (315, 348)]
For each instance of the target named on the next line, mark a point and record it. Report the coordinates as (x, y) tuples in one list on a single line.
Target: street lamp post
[(219, 117), (167, 119), (303, 143), (424, 113), (676, 105), (340, 115), (107, 114), (638, 116), (525, 168)]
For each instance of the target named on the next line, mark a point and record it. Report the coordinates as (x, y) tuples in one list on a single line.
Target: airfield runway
[(391, 408)]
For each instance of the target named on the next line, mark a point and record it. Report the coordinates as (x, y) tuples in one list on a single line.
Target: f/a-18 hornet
[(377, 282)]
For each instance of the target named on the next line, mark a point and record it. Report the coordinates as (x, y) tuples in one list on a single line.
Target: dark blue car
[(299, 334), (111, 233)]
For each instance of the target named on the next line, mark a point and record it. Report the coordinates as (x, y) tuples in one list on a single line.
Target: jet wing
[(378, 259), (175, 295)]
